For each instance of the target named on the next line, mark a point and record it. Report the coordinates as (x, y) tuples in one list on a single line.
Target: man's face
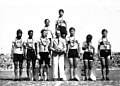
[(31, 34), (63, 35), (72, 32), (47, 23), (58, 34), (19, 34), (45, 34), (89, 40), (61, 13), (104, 34)]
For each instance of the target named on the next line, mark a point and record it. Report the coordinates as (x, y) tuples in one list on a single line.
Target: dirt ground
[(6, 79)]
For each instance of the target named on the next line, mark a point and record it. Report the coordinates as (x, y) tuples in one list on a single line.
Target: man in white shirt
[(18, 52), (43, 53), (31, 54), (104, 51), (58, 46)]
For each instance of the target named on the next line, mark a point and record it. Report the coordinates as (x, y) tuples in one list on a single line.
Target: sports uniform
[(72, 47), (43, 49), (61, 26), (31, 56), (105, 47), (88, 51), (18, 50)]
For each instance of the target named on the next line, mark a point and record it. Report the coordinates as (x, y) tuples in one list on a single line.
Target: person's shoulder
[(84, 42), (100, 40), (67, 38)]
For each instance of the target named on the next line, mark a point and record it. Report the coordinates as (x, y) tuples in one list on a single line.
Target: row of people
[(57, 49)]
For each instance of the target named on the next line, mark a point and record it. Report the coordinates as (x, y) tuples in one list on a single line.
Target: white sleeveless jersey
[(61, 22), (50, 34), (43, 44), (89, 48), (17, 46), (30, 44), (104, 44), (72, 42)]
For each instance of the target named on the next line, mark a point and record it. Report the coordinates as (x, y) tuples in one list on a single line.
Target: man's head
[(30, 33), (104, 33), (19, 33), (44, 33), (72, 31), (61, 12), (47, 22), (58, 34), (89, 38)]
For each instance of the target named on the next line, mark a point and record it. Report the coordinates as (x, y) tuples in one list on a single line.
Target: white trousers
[(58, 66)]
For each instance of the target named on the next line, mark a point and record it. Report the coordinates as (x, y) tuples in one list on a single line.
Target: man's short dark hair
[(30, 31), (72, 28), (46, 20), (43, 30), (104, 30), (89, 36), (61, 10), (19, 31)]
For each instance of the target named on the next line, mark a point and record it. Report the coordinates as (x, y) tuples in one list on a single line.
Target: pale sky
[(87, 16)]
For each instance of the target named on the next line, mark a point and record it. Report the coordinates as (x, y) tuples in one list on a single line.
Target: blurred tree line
[(7, 63)]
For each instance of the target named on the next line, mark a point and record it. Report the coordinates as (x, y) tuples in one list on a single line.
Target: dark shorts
[(31, 54), (73, 53), (87, 56), (63, 30), (105, 53), (44, 57), (18, 58)]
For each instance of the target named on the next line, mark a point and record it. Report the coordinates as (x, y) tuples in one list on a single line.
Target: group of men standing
[(57, 48)]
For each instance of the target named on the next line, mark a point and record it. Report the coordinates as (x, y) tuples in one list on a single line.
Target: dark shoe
[(107, 79), (90, 79), (103, 79), (61, 79), (34, 79), (15, 79), (47, 79), (20, 79), (75, 79)]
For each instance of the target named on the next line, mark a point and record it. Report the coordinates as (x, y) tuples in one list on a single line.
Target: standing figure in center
[(73, 53), (58, 46), (43, 53), (61, 24)]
